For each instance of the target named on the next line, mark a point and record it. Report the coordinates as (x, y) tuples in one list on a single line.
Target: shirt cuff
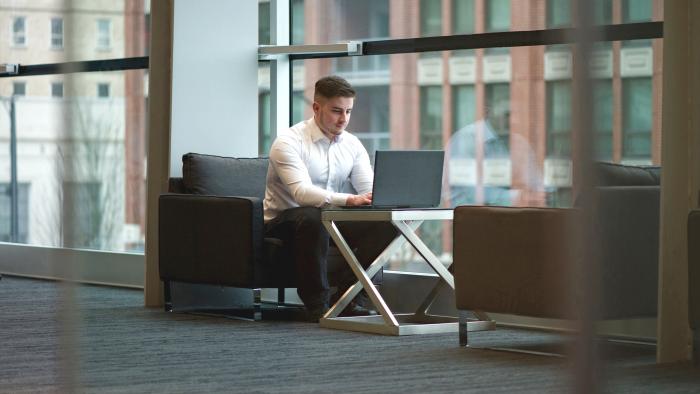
[(339, 199)]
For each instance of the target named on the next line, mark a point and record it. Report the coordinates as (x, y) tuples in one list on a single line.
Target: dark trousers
[(308, 241)]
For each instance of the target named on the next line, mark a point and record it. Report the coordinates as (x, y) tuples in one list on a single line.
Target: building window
[(636, 117), (103, 90), (497, 15), (265, 139), (22, 213), (602, 12), (104, 34), (431, 117), (19, 88), (603, 118), (297, 11), (462, 16), (56, 33), (558, 13), (463, 107), (559, 119), (264, 23), (57, 89), (430, 17), (636, 11), (19, 31), (497, 140)]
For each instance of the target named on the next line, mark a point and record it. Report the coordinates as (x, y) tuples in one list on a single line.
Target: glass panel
[(80, 159), (105, 30)]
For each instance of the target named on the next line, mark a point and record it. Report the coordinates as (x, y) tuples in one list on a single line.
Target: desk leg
[(360, 273), (377, 264), (423, 250)]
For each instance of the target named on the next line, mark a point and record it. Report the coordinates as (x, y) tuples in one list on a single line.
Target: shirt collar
[(317, 134)]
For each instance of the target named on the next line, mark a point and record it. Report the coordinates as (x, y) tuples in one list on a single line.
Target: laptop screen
[(407, 178)]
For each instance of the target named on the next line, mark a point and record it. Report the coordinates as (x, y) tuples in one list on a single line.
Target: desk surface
[(339, 214)]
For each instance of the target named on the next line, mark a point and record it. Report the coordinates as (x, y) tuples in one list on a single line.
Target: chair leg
[(257, 304), (280, 295), (463, 329), (696, 347), (167, 298)]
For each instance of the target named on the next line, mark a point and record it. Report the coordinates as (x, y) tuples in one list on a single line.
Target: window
[(22, 213), (636, 117), (19, 88), (603, 119), (463, 107), (636, 11), (57, 89), (104, 34), (297, 11), (430, 17), (56, 33), (103, 90), (497, 141), (370, 120), (558, 13), (264, 23), (265, 139), (602, 12), (19, 31), (559, 119), (431, 117), (462, 16), (497, 15)]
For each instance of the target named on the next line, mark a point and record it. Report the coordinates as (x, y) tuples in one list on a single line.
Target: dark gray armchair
[(520, 260), (211, 228)]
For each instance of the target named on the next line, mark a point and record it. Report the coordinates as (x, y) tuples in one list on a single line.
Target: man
[(311, 164)]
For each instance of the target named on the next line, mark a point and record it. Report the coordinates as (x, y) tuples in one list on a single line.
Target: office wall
[(214, 79)]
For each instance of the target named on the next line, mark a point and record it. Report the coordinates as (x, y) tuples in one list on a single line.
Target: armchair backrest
[(224, 176)]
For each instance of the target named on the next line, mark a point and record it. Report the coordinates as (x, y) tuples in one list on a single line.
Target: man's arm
[(291, 169)]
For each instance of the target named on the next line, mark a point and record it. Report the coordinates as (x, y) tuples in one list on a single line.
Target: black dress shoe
[(314, 313), (355, 309)]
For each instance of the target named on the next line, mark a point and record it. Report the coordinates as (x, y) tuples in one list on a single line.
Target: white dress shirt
[(308, 169)]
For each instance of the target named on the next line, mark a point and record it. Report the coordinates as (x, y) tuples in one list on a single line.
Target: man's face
[(333, 114)]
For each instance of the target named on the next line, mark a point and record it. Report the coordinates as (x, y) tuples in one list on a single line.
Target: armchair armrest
[(210, 239)]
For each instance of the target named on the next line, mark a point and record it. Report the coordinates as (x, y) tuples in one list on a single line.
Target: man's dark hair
[(333, 86)]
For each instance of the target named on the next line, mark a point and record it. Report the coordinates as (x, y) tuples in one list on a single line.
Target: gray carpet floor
[(62, 338)]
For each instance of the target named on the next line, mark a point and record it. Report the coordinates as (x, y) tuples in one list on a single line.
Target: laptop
[(405, 179)]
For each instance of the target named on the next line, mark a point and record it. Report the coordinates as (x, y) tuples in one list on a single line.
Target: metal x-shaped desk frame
[(419, 322)]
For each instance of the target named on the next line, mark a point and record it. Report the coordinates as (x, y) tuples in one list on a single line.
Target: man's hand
[(359, 199)]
